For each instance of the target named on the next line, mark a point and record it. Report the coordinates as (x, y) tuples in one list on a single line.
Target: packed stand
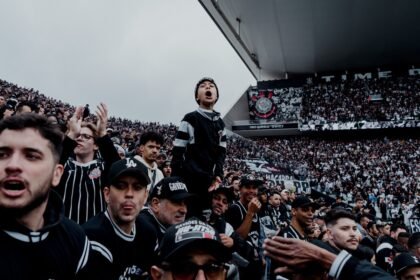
[(142, 227), (395, 100)]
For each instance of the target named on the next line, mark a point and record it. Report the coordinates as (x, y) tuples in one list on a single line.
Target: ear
[(57, 173), (328, 234), (146, 196), (156, 272), (293, 211), (140, 149), (106, 194), (154, 204)]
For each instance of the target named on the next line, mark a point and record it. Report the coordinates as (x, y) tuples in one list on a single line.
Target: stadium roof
[(274, 37)]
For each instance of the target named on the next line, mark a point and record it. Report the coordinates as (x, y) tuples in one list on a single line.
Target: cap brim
[(210, 246), (401, 270), (181, 196), (229, 194), (247, 182), (314, 205), (135, 172)]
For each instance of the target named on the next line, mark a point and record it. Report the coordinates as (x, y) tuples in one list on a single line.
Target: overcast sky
[(141, 57)]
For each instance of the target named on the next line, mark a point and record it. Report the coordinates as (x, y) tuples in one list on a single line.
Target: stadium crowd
[(391, 99), (375, 185), (344, 105)]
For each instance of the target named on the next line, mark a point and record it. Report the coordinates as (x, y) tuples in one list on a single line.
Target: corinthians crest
[(264, 106)]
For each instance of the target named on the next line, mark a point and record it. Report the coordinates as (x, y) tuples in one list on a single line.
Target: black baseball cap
[(404, 261), (192, 234), (226, 190), (250, 180), (172, 188), (131, 167), (303, 201)]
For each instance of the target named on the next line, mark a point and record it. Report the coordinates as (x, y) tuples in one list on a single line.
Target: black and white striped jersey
[(82, 183)]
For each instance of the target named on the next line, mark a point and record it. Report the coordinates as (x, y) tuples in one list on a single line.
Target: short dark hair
[(414, 241), (234, 178), (25, 103), (395, 227), (403, 235), (370, 225), (359, 198), (46, 128), (151, 136), (361, 216), (333, 215)]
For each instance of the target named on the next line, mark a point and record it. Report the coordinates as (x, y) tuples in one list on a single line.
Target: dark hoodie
[(58, 251)]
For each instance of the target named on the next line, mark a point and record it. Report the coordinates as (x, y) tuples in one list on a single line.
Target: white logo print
[(130, 163)]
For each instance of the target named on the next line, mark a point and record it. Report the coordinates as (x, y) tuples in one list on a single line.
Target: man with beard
[(36, 240), (342, 231), (114, 230), (88, 152), (243, 216)]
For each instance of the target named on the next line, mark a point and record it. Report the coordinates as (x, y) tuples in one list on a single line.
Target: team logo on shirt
[(95, 173)]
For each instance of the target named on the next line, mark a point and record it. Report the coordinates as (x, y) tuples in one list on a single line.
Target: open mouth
[(13, 185), (208, 93)]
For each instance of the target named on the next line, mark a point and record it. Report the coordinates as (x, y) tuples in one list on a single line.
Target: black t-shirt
[(235, 216), (129, 253)]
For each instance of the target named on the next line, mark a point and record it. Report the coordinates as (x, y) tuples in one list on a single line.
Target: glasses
[(189, 270), (85, 136)]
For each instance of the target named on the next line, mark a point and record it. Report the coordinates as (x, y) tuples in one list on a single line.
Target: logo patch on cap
[(194, 230), (177, 186), (130, 163)]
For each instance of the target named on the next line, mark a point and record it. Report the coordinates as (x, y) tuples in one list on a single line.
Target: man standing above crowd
[(114, 230), (200, 146), (87, 155), (147, 153), (36, 241)]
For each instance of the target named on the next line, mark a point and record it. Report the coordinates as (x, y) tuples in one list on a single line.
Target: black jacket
[(59, 250), (200, 146)]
